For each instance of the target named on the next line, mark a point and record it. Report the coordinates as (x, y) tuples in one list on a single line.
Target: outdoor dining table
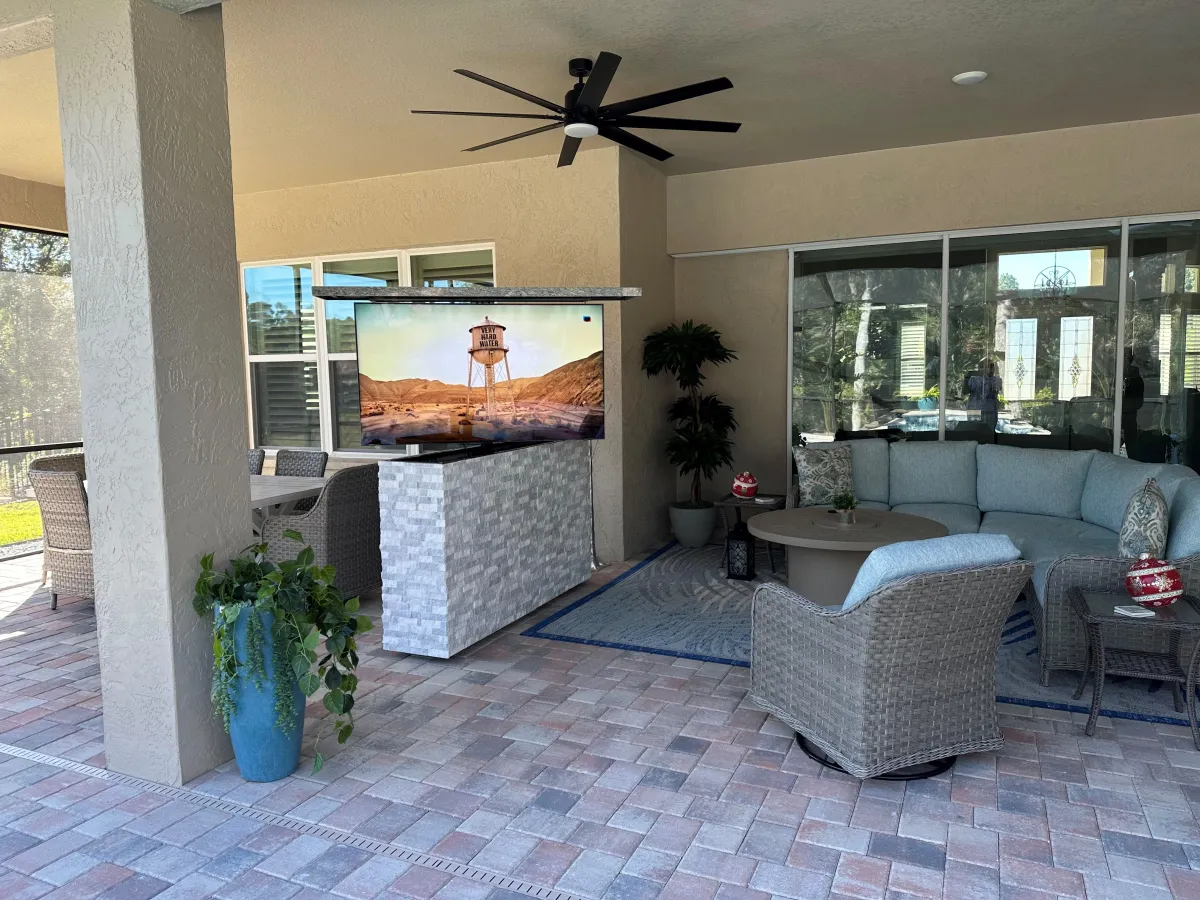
[(274, 490)]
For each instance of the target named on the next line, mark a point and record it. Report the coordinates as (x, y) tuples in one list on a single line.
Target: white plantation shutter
[(1164, 353), (912, 360), (1191, 352)]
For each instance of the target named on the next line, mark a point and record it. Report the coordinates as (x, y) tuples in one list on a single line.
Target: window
[(1051, 271), (302, 358), (1191, 353), (1075, 357), (1020, 358)]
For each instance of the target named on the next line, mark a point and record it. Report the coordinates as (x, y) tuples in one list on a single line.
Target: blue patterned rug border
[(536, 631)]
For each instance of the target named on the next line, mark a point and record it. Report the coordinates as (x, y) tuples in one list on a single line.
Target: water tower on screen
[(487, 352)]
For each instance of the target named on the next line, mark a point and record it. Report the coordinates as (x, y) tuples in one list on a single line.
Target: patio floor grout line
[(380, 848)]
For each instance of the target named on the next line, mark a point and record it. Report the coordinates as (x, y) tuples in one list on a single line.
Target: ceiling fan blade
[(516, 92), (662, 98), (569, 148), (634, 143), (492, 115), (675, 124), (513, 137), (598, 81)]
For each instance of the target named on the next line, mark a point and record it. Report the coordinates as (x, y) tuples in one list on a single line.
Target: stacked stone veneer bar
[(470, 546)]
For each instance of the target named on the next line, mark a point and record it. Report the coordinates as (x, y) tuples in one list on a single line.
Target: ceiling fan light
[(581, 130)]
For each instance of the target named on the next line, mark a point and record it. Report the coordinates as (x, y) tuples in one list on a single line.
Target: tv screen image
[(480, 372)]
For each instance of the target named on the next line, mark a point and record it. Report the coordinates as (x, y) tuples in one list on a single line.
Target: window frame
[(322, 357)]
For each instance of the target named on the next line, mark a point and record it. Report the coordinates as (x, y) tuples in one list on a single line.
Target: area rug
[(677, 602)]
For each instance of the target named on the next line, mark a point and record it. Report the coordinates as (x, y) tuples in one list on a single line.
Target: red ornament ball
[(1153, 583), (745, 485)]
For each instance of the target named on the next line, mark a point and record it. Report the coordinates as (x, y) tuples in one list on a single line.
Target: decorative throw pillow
[(1144, 527), (822, 471)]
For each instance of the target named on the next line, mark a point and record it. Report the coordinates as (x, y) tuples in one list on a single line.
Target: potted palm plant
[(268, 622), (700, 444)]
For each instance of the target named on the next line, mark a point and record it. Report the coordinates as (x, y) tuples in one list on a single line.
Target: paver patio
[(594, 772)]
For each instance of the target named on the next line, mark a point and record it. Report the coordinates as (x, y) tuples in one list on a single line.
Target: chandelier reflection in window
[(1055, 281)]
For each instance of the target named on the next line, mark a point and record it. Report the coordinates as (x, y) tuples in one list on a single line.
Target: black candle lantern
[(740, 549)]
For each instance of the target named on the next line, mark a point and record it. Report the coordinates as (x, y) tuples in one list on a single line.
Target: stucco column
[(150, 213)]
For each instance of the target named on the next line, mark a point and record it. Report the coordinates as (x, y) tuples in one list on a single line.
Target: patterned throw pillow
[(822, 470), (1144, 528)]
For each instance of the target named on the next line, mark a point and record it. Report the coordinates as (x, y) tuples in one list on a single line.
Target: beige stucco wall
[(1127, 168), (744, 296), (551, 227), (648, 485), (31, 204)]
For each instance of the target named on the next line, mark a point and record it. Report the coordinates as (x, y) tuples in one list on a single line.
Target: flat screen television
[(467, 372)]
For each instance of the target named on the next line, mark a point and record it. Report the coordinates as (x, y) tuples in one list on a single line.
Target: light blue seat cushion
[(1183, 526), (932, 472), (1043, 539), (957, 517), (944, 554), (869, 460), (872, 504), (1111, 481), (1038, 482)]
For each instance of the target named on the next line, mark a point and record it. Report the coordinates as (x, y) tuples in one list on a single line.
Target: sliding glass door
[(866, 326), (1032, 338)]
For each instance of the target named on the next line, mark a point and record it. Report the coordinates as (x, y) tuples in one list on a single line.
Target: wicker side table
[(1182, 617)]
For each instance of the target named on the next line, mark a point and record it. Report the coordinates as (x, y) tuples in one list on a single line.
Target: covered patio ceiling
[(319, 91)]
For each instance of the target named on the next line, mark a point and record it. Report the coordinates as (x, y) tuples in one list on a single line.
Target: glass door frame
[(1122, 222)]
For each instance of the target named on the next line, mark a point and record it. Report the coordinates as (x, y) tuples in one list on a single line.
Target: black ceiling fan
[(583, 114)]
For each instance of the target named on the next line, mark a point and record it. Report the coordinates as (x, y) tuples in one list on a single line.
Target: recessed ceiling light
[(967, 78)]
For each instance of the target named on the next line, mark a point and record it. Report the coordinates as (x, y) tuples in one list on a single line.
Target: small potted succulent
[(268, 621), (844, 503)]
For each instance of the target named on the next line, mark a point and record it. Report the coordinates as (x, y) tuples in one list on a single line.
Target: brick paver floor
[(600, 773)]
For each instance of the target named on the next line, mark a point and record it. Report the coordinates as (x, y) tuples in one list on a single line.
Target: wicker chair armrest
[(281, 547), (784, 623), (1102, 573)]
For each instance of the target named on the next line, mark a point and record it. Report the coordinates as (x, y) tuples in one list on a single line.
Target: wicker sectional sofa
[(1062, 508)]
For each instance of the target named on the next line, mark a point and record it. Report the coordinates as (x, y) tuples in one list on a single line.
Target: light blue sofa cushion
[(1111, 481), (872, 504), (1038, 482), (1183, 528), (869, 459), (1044, 539), (932, 472), (944, 554), (957, 517)]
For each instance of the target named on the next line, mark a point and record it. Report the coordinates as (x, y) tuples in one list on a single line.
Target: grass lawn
[(19, 521)]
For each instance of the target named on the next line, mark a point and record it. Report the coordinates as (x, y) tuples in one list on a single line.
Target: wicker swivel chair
[(342, 528), (255, 460), (302, 463), (907, 677), (67, 535)]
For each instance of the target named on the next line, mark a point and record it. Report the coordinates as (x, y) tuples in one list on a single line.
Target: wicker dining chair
[(255, 460), (906, 677), (66, 530), (305, 464), (342, 528)]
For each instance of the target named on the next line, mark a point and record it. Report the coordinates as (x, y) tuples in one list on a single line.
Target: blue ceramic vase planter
[(263, 750)]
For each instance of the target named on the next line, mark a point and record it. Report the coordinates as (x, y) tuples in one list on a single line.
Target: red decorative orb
[(745, 485), (1153, 583)]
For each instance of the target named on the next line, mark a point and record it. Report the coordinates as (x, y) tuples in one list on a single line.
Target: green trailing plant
[(702, 423), (307, 609), (844, 500)]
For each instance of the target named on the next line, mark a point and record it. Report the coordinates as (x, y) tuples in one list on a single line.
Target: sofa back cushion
[(1183, 529), (1111, 482), (944, 554), (869, 459), (932, 472), (1038, 482)]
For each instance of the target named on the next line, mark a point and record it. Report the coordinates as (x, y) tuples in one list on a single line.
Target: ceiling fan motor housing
[(579, 67)]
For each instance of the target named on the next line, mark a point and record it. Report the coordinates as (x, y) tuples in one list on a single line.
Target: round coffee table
[(824, 556)]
